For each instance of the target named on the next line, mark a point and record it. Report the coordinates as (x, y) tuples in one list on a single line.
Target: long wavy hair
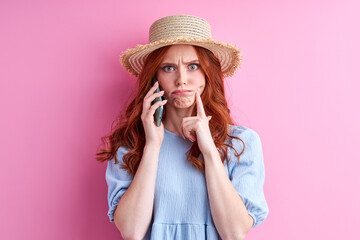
[(129, 131)]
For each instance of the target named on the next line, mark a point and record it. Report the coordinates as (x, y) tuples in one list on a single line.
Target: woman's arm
[(228, 211), (133, 214), (134, 211)]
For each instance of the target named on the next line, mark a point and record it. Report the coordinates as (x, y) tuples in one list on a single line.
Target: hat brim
[(229, 55)]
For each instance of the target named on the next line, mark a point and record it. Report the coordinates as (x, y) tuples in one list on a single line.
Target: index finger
[(152, 89), (199, 105)]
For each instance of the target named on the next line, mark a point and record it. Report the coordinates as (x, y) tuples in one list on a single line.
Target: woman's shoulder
[(122, 150), (246, 140), (243, 132), (243, 137)]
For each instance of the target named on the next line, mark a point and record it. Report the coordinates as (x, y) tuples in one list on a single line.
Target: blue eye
[(193, 66), (168, 68)]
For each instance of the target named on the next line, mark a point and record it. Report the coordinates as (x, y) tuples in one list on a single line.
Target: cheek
[(201, 81), (164, 81), (161, 81), (165, 87), (200, 77)]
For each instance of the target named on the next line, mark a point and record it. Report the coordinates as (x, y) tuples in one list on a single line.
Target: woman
[(197, 175)]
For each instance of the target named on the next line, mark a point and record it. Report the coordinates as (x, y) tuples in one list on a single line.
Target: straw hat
[(181, 29)]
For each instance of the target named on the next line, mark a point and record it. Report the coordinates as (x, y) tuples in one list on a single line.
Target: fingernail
[(198, 89)]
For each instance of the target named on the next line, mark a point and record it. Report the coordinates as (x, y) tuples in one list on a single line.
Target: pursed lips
[(182, 92)]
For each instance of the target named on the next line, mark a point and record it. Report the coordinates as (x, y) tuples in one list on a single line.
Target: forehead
[(184, 52)]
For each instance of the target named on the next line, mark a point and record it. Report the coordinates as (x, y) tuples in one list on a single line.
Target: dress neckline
[(173, 134)]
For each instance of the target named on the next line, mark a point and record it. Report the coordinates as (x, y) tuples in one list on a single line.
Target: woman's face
[(180, 76)]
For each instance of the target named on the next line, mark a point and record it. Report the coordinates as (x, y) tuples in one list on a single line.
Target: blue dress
[(181, 204)]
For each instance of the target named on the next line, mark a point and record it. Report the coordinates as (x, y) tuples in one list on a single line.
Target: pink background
[(61, 86)]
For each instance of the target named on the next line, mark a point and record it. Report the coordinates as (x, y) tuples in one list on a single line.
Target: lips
[(182, 92)]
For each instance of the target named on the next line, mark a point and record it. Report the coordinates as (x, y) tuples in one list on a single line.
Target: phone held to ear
[(159, 110)]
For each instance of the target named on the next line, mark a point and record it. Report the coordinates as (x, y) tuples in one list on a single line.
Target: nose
[(182, 77)]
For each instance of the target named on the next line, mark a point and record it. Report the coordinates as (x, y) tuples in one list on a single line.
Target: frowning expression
[(180, 75)]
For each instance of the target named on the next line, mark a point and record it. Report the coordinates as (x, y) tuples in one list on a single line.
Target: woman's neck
[(174, 118)]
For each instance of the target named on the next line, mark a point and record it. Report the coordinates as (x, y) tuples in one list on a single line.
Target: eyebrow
[(169, 63)]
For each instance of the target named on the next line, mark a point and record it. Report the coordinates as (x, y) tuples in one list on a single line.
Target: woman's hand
[(197, 128), (154, 134)]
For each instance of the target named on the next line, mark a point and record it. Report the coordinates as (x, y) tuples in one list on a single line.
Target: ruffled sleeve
[(118, 181), (248, 176)]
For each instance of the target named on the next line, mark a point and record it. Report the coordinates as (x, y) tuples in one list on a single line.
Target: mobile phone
[(159, 111)]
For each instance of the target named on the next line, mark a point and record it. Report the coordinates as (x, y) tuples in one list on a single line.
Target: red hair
[(129, 131)]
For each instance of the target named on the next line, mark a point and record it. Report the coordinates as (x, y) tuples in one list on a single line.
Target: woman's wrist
[(152, 147), (211, 153)]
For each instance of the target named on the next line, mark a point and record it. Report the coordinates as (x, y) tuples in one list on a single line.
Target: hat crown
[(179, 26)]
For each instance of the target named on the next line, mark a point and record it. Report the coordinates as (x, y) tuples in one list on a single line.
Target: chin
[(183, 102)]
